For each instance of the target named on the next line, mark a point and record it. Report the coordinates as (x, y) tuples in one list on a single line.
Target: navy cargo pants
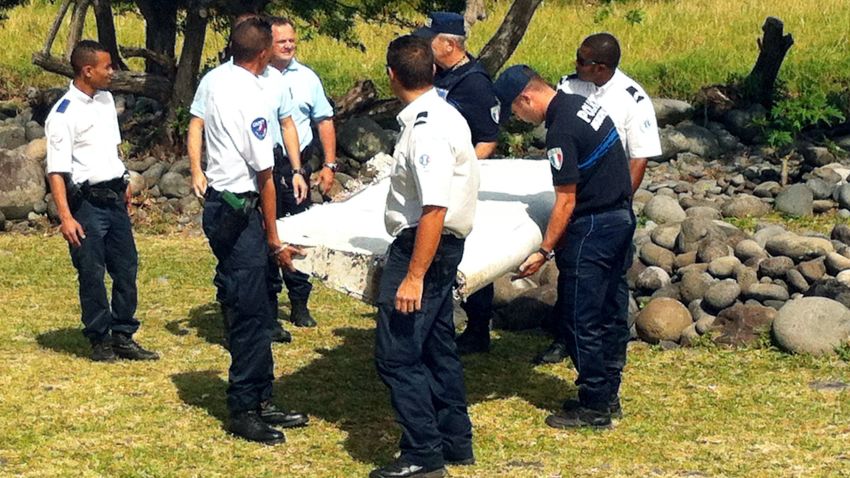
[(416, 357), (108, 247), (592, 313), (239, 244)]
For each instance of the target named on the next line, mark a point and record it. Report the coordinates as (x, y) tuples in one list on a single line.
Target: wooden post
[(761, 82)]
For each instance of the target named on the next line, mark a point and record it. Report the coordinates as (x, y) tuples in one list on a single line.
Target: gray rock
[(506, 289), (673, 142), (665, 235), (670, 291), (764, 234), (843, 277), (743, 324), (22, 184), (652, 279), (831, 289), (694, 231), (705, 323), (34, 131), (775, 267), (724, 267), (820, 206), (181, 166), (174, 185), (812, 325), (836, 263), (153, 174), (767, 189), (812, 270), (748, 249), (362, 138), (689, 335), (746, 277), (137, 183), (670, 111), (842, 195), (528, 310), (703, 212), (740, 122), (685, 259), (828, 174), (141, 165), (820, 188), (664, 210), (745, 206), (795, 200), (693, 285), (189, 205), (700, 141), (703, 186), (841, 232), (796, 280), (798, 248), (654, 255), (817, 156), (763, 292), (721, 295), (662, 319), (711, 249), (548, 274), (12, 135)]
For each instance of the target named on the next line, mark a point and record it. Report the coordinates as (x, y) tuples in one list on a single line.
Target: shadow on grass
[(341, 387), (205, 319), (69, 340)]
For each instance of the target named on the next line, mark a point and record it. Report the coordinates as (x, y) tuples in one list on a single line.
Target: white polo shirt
[(308, 98), (435, 165), (236, 128), (278, 99), (629, 107), (83, 137)]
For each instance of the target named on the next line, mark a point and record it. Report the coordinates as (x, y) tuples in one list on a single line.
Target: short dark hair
[(412, 61), (85, 54), (280, 21), (249, 38), (605, 48)]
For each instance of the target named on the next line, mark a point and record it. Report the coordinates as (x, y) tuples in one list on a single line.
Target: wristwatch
[(332, 166), (300, 171), (548, 255)]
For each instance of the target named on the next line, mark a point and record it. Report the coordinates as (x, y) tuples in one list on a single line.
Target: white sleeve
[(642, 131), (433, 164), (199, 102), (258, 144), (60, 142)]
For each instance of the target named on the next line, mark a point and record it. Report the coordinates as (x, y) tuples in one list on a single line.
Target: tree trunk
[(503, 43), (137, 83), (78, 21), (160, 30), (187, 71), (362, 95), (54, 29), (773, 47), (106, 32)]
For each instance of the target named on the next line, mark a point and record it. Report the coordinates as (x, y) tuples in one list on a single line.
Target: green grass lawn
[(677, 47), (689, 412)]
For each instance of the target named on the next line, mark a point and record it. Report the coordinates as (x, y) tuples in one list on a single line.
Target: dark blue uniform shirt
[(584, 149), (470, 90)]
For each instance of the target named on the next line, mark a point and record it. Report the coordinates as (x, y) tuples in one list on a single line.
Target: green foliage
[(181, 122), (843, 351), (635, 16), (792, 115)]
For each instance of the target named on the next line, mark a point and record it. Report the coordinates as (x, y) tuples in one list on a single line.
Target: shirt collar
[(618, 76), (408, 115), (292, 66), (77, 94), (244, 75)]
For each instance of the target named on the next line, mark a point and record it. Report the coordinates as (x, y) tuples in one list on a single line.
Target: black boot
[(278, 333), (102, 351), (127, 348), (300, 315), (250, 426), (403, 469), (613, 406), (555, 353), (473, 340), (580, 417), (275, 416)]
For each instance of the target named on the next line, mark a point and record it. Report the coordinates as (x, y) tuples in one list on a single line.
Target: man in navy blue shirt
[(588, 234), (467, 86)]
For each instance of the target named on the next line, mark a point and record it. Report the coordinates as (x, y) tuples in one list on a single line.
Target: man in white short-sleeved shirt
[(87, 180), (242, 237), (430, 209)]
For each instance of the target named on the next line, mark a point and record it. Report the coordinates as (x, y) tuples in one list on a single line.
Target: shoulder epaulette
[(421, 118), (635, 94), (567, 78), (63, 105)]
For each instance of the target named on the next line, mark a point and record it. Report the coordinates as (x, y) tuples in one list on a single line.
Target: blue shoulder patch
[(259, 127), (63, 105)]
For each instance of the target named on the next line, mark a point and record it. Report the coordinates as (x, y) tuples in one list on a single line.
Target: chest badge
[(424, 160), (556, 158), (494, 112), (260, 127)]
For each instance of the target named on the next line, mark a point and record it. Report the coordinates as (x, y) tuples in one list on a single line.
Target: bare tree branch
[(503, 43)]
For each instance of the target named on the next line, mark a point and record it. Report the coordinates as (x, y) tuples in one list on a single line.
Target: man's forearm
[(637, 168), (428, 235), (60, 195), (290, 142), (327, 136), (485, 150), (194, 142), (268, 205), (560, 216)]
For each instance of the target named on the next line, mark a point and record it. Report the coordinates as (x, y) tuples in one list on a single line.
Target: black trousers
[(297, 283), (417, 359), (591, 314), (239, 244), (109, 247)]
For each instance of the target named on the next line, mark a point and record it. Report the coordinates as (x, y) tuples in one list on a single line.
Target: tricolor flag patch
[(556, 158), (260, 127)]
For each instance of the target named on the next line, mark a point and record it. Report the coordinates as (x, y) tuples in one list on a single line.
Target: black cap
[(442, 22), (509, 85)]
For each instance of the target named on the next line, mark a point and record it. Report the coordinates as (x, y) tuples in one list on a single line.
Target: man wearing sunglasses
[(598, 76)]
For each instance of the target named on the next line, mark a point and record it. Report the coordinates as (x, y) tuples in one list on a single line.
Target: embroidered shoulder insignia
[(635, 94), (259, 127), (63, 105)]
